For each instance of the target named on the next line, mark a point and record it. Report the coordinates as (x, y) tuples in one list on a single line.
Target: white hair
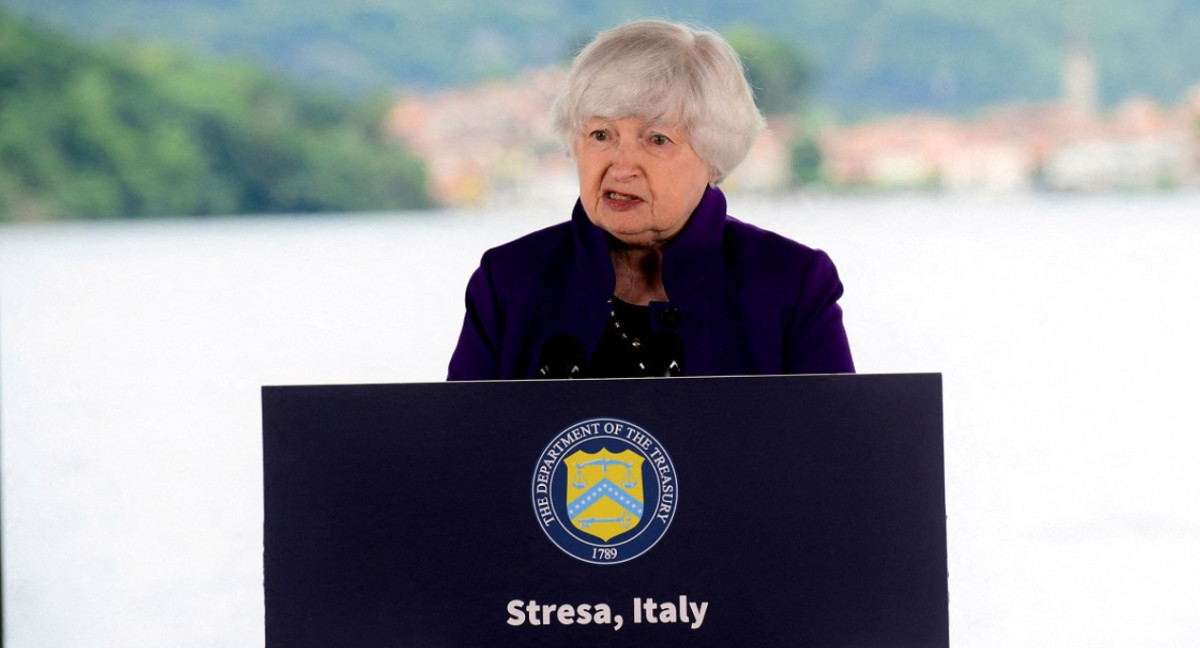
[(664, 72)]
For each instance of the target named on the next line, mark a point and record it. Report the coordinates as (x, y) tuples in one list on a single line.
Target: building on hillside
[(899, 152), (481, 141), (1141, 146), (1061, 146), (767, 166), (1080, 81)]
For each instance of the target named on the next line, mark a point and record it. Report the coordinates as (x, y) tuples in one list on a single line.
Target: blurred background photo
[(202, 197)]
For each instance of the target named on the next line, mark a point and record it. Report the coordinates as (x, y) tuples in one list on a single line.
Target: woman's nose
[(626, 160)]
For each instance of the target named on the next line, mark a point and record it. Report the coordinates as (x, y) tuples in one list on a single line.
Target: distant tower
[(1080, 95)]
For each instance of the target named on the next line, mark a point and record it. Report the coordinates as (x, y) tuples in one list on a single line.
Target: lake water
[(131, 355)]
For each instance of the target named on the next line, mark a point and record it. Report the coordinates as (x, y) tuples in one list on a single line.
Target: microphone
[(669, 349), (562, 357)]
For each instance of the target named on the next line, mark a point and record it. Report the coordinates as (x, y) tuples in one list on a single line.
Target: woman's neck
[(638, 275)]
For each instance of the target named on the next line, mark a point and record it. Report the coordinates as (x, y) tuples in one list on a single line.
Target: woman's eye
[(599, 135), (659, 139)]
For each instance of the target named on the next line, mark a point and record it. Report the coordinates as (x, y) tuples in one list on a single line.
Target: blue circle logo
[(605, 491)]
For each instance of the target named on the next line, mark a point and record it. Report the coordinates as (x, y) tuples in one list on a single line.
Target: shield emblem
[(604, 492)]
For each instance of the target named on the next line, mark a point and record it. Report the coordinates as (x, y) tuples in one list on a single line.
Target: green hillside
[(126, 130), (872, 54)]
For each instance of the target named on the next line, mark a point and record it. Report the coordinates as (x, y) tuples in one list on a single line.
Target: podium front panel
[(788, 510)]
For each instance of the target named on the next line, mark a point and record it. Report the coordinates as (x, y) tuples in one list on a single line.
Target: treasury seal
[(604, 491)]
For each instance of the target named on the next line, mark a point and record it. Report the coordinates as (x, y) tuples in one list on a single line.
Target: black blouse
[(630, 349)]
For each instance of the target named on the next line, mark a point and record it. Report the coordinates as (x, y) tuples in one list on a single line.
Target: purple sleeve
[(816, 338), (477, 356)]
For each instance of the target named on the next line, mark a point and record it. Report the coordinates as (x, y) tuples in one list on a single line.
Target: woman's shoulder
[(543, 245), (758, 246)]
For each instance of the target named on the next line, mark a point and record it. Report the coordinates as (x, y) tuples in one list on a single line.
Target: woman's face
[(638, 181)]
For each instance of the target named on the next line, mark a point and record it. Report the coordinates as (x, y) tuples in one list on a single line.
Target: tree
[(806, 162), (125, 130), (780, 74)]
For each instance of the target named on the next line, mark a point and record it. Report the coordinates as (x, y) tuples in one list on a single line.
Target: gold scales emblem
[(601, 502)]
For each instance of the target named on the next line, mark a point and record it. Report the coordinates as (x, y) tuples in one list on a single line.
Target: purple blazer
[(744, 301)]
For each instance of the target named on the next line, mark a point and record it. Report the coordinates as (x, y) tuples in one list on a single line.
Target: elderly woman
[(651, 277)]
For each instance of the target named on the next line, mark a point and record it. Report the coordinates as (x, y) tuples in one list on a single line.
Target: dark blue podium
[(752, 511)]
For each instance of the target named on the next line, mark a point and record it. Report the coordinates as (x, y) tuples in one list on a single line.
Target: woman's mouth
[(612, 195), (621, 202)]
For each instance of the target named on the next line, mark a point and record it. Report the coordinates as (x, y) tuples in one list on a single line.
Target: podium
[(746, 511)]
